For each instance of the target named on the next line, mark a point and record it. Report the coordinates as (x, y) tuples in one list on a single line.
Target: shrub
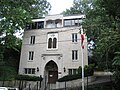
[(69, 78), (29, 78), (88, 71)]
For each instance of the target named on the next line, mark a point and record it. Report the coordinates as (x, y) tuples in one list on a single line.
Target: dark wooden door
[(52, 77)]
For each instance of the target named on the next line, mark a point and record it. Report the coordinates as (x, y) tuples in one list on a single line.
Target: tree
[(102, 25), (79, 7), (14, 14)]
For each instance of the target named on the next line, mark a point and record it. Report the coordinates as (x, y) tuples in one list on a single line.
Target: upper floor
[(55, 21)]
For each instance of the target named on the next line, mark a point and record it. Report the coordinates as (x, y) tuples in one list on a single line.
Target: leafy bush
[(88, 71), (29, 78), (69, 78), (7, 73)]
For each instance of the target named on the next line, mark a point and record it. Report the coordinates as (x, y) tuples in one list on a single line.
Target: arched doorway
[(52, 72)]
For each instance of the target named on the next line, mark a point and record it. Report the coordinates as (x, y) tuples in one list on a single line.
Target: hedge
[(88, 71), (28, 78)]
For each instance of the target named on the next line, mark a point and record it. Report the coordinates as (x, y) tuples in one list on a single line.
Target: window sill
[(30, 60), (52, 49), (74, 42), (74, 60)]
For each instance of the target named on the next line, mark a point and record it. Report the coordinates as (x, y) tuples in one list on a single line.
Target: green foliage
[(69, 78), (79, 7), (102, 24), (7, 73), (28, 78), (116, 60), (88, 71), (14, 14), (117, 80)]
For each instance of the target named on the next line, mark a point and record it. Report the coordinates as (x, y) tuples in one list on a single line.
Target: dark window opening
[(50, 43), (32, 40), (74, 37), (29, 70), (74, 54), (40, 25), (70, 71), (35, 25), (54, 42), (31, 54)]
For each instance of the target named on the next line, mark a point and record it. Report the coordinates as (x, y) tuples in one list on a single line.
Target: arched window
[(54, 42), (50, 43)]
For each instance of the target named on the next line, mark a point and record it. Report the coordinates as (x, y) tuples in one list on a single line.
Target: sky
[(59, 6)]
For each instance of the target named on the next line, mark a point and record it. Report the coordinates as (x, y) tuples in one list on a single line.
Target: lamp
[(37, 69), (64, 69)]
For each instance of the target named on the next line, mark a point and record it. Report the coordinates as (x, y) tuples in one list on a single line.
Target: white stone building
[(52, 47)]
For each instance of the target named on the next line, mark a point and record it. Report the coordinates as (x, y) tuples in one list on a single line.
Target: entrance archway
[(52, 72)]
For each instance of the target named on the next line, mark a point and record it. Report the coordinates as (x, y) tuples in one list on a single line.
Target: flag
[(82, 40)]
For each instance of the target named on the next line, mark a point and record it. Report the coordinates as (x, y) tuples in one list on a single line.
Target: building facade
[(52, 47)]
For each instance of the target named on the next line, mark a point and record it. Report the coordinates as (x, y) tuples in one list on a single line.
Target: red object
[(82, 39), (82, 46)]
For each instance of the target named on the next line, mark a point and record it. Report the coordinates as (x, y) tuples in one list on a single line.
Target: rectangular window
[(25, 70), (70, 71), (74, 37), (67, 23), (40, 25), (33, 71), (74, 54), (32, 40), (29, 70), (74, 71), (31, 55), (72, 22), (34, 25)]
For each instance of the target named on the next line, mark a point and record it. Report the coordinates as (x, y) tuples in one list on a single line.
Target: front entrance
[(52, 77), (52, 72)]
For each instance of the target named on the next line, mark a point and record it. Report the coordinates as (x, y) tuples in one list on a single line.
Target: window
[(31, 54), (72, 71), (74, 37), (40, 25), (72, 22), (67, 22), (29, 70), (35, 25), (52, 41), (32, 40), (74, 54)]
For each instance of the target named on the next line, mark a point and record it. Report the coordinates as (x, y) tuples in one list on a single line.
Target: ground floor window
[(29, 70), (72, 71)]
